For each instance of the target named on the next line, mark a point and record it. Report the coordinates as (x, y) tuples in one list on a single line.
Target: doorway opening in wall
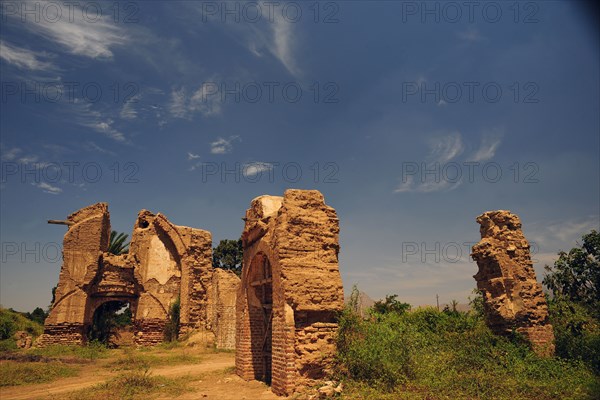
[(112, 324), (261, 314)]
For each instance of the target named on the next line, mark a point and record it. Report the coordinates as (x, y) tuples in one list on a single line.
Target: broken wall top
[(303, 235)]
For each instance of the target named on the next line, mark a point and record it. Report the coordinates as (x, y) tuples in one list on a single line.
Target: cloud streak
[(87, 38), (222, 145), (24, 58)]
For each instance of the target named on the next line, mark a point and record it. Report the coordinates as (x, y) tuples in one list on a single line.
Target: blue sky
[(411, 118)]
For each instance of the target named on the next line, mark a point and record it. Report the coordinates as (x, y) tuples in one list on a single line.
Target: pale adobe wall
[(513, 298)]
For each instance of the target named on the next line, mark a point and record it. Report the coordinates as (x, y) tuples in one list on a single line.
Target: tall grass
[(441, 355)]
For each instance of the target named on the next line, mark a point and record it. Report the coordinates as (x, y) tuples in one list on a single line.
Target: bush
[(431, 354), (172, 326), (12, 321), (576, 331)]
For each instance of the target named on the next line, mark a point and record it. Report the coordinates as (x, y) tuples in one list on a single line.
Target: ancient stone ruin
[(513, 299), (165, 262), (290, 292)]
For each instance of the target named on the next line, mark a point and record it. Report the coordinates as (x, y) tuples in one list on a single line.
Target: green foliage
[(117, 243), (53, 296), (390, 305), (106, 322), (124, 318), (12, 321), (38, 315), (476, 303), (172, 326), (229, 255), (431, 354), (90, 351), (576, 332), (26, 373), (576, 274)]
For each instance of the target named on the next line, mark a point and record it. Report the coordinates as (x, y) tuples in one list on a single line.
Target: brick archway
[(291, 255), (260, 312)]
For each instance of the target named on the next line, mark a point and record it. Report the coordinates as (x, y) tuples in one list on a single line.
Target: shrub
[(172, 326), (431, 354), (576, 332)]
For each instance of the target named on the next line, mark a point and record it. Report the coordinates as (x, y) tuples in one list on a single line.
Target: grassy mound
[(11, 322)]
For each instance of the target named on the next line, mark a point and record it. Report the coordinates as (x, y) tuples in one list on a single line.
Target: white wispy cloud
[(106, 128), (283, 43), (86, 116), (445, 148), (255, 168), (487, 150), (203, 101), (78, 35), (93, 147), (274, 35), (10, 154), (24, 58), (31, 162), (442, 150), (222, 145), (47, 188), (192, 156), (128, 111)]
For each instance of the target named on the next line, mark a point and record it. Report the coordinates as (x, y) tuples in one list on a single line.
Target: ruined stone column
[(513, 299), (85, 241)]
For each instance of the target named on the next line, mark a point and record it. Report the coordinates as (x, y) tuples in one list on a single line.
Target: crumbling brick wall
[(513, 299), (290, 292), (165, 262), (87, 238), (222, 307)]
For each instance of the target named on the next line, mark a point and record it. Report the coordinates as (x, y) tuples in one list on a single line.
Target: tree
[(38, 315), (576, 274), (228, 255), (117, 243), (172, 326), (390, 305), (104, 323)]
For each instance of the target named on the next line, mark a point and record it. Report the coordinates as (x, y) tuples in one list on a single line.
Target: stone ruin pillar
[(513, 299), (85, 241), (291, 290)]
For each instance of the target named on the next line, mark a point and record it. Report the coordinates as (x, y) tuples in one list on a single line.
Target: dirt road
[(224, 385)]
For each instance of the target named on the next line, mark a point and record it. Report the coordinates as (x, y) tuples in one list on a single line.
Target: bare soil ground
[(212, 378)]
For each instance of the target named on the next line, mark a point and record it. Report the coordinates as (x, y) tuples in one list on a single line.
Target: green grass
[(134, 385), (134, 359), (437, 355), (26, 373), (11, 322), (90, 351)]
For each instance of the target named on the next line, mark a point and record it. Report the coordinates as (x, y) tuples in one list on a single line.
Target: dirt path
[(221, 386)]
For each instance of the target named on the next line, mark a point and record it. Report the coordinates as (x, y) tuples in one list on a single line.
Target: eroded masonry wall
[(86, 239), (291, 290), (222, 307), (165, 263), (513, 298)]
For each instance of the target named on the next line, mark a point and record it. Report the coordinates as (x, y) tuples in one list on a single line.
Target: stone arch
[(259, 306), (295, 238), (95, 304)]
